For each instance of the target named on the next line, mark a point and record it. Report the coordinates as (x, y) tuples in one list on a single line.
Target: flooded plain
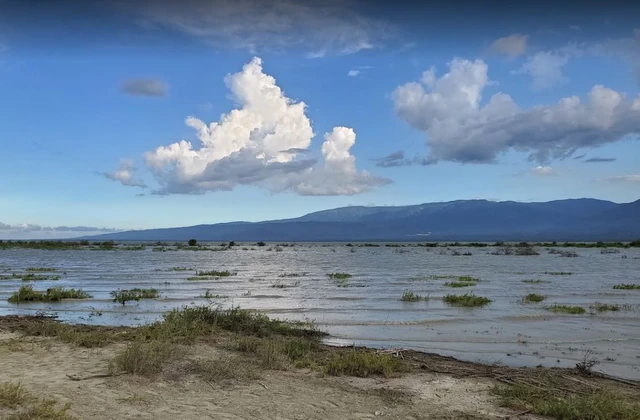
[(292, 282)]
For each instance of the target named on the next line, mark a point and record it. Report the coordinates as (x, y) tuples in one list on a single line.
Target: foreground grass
[(567, 309), (627, 286), (467, 300), (547, 401), (27, 407), (362, 363), (54, 294)]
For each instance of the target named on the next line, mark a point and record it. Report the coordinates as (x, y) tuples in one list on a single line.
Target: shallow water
[(369, 310)]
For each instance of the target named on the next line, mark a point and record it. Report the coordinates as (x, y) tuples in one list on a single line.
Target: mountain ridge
[(461, 220)]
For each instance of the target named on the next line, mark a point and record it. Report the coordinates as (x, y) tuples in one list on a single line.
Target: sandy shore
[(435, 388)]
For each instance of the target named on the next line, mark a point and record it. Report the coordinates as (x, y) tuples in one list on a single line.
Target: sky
[(144, 114)]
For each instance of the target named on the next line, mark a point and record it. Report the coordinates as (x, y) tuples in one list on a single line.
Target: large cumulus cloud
[(264, 142), (460, 127)]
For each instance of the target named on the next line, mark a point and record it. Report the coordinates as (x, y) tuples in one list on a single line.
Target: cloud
[(353, 73), (144, 87), (546, 69), (398, 159), (512, 45), (260, 144), (600, 160), (543, 171), (625, 49), (580, 156), (31, 231), (125, 174), (459, 127), (332, 27), (625, 179)]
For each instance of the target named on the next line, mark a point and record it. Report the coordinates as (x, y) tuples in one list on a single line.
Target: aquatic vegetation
[(558, 273), (215, 273), (460, 283), (446, 276), (127, 295), (604, 307), (409, 296), (38, 277), (339, 276), (535, 281), (627, 286), (533, 298), (466, 300), (567, 309), (54, 294), (179, 269), (292, 275), (40, 269), (468, 278), (209, 295), (284, 285)]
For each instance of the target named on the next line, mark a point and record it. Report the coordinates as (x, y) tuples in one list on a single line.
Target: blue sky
[(92, 97)]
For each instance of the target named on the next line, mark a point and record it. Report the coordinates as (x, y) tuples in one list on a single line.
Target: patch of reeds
[(467, 300)]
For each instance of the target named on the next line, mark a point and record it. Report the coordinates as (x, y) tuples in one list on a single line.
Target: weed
[(468, 279), (558, 273), (567, 309), (535, 281), (362, 363), (627, 286), (587, 363), (466, 300), (40, 269), (533, 298), (209, 295), (215, 273), (12, 395), (460, 283), (127, 295), (55, 294), (179, 269), (339, 276), (144, 358), (292, 275), (409, 296), (603, 307)]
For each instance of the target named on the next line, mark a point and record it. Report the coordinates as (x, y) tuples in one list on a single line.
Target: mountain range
[(582, 219)]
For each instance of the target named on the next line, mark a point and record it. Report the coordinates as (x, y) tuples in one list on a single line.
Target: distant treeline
[(111, 245)]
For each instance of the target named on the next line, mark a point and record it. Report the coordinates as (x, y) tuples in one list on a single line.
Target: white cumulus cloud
[(461, 127), (513, 45), (125, 174), (264, 143)]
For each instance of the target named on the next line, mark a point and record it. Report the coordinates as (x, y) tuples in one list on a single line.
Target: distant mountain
[(463, 220)]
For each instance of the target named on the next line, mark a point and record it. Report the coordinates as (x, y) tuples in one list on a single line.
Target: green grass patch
[(144, 358), (567, 309), (468, 279), (547, 401), (467, 300), (606, 307), (38, 277), (460, 283), (627, 286), (441, 277), (339, 276), (209, 295), (533, 298), (215, 273), (535, 281), (409, 296), (40, 269), (362, 363), (179, 269), (54, 294), (128, 295)]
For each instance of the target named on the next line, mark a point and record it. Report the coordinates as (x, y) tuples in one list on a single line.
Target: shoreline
[(35, 347)]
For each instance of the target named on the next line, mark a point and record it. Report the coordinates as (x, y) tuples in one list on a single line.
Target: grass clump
[(12, 395), (558, 273), (567, 309), (209, 295), (54, 294), (467, 300), (533, 298), (144, 358), (179, 269), (460, 283), (128, 295), (605, 307), (409, 296), (535, 281), (362, 363), (627, 286), (339, 276), (38, 277), (598, 405), (40, 269), (215, 273)]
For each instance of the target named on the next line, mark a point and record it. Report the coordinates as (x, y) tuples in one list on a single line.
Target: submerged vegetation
[(128, 295), (409, 296), (533, 298), (627, 286), (567, 309), (339, 276), (215, 273), (535, 281), (54, 294)]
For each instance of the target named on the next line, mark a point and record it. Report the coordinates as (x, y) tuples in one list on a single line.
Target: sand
[(49, 368)]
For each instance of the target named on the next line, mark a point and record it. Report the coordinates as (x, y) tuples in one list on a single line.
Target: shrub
[(54, 294), (261, 243), (466, 300), (192, 242)]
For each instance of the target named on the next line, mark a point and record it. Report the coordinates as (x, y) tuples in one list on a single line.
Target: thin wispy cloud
[(144, 87), (512, 46), (600, 160)]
